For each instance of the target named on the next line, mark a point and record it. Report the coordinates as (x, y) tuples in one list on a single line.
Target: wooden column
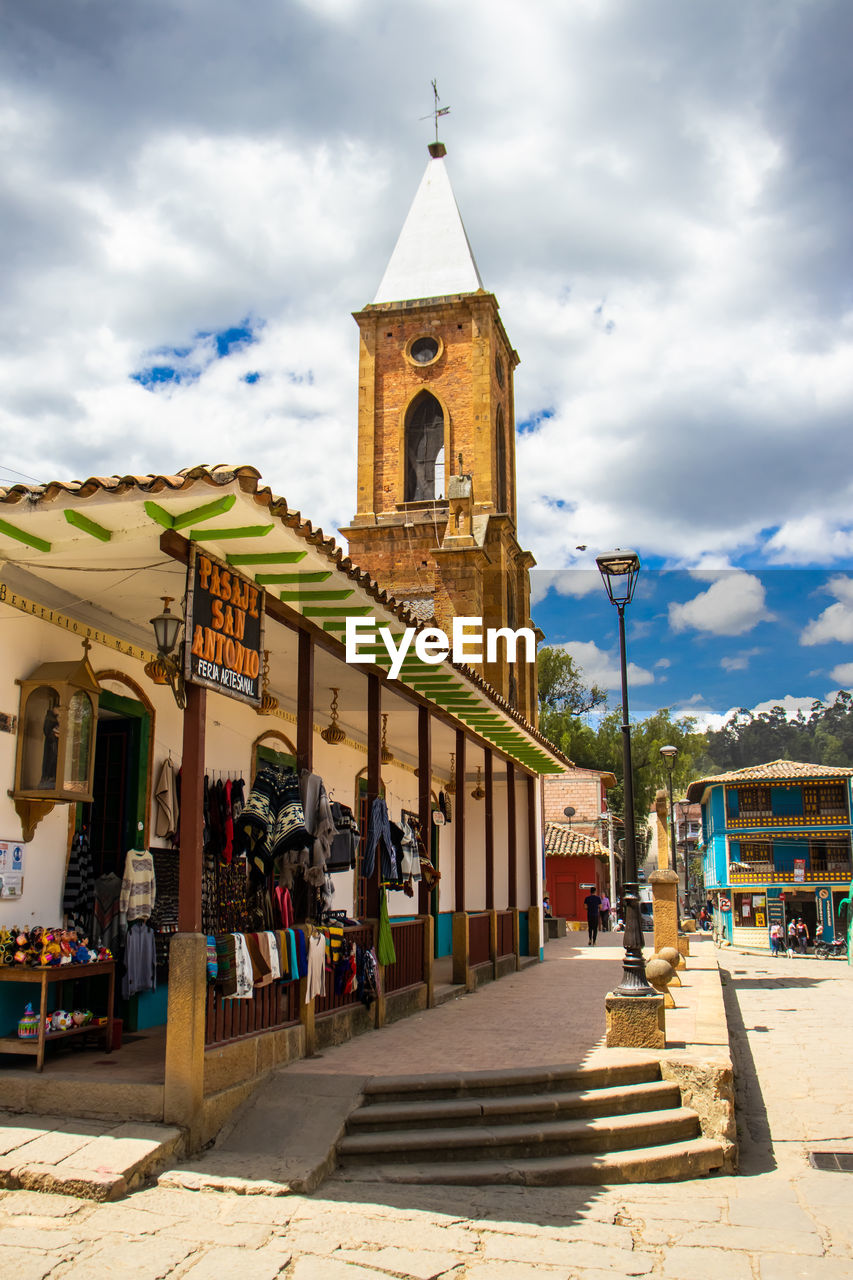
[(192, 818), (424, 800), (459, 841), (533, 859), (305, 703), (490, 831), (511, 837), (374, 782)]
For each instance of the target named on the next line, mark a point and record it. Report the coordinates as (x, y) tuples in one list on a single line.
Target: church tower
[(436, 517)]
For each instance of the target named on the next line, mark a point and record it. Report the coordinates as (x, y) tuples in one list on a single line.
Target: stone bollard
[(659, 973), (674, 958)]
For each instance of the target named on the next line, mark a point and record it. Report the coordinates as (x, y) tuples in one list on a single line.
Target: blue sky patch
[(533, 422), (181, 366)]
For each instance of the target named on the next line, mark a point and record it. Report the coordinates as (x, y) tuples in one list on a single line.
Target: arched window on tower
[(424, 443), (500, 461)]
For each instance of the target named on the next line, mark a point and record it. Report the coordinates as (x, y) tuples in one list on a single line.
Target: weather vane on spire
[(437, 111)]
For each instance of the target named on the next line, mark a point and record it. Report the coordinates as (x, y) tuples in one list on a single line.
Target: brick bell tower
[(436, 517)]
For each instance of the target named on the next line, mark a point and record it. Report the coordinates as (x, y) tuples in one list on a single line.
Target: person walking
[(777, 942), (792, 936), (592, 902), (605, 913), (802, 936)]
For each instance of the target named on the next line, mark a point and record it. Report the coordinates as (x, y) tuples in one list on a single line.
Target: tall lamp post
[(684, 807), (619, 570)]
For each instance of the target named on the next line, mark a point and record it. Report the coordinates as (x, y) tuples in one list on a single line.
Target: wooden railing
[(360, 935), (479, 948), (408, 971), (271, 1007), (506, 944)]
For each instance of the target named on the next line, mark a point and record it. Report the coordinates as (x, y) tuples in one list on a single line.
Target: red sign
[(725, 904)]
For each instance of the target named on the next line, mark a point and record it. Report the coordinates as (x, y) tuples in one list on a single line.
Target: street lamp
[(684, 806), (619, 570), (669, 754)]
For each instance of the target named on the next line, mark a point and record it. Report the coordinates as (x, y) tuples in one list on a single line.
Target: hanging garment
[(139, 961), (368, 977), (226, 964), (301, 952), (166, 799), (269, 950), (284, 906), (78, 900), (212, 963), (315, 985), (243, 967), (237, 798), (379, 830), (344, 845), (318, 817), (229, 823), (138, 887), (167, 878), (410, 863), (108, 924), (385, 949), (289, 832), (261, 969)]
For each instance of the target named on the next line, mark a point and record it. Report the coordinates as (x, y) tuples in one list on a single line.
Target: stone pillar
[(665, 905), (429, 959), (534, 931), (634, 1022), (183, 1093), (460, 948)]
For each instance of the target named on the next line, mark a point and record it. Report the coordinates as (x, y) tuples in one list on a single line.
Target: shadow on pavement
[(771, 981), (754, 1138)]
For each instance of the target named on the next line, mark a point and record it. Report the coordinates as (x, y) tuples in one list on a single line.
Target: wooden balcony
[(818, 872)]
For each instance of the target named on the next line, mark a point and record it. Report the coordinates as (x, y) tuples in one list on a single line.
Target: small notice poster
[(799, 870), (224, 634), (11, 869)]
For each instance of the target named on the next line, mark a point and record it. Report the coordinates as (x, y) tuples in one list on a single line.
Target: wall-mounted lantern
[(55, 756)]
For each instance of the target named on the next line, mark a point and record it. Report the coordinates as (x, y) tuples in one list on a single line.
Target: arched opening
[(424, 442), (273, 747), (500, 461)]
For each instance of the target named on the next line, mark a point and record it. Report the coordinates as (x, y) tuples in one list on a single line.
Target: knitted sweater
[(138, 888)]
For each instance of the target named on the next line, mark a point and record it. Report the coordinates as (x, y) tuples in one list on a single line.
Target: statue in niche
[(50, 728)]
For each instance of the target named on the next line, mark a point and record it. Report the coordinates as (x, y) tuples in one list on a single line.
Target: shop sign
[(776, 911), (799, 870), (224, 629), (11, 869)]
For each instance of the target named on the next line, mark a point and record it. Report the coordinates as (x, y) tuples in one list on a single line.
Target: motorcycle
[(835, 950)]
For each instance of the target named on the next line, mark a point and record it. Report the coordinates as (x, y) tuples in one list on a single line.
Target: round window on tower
[(424, 350)]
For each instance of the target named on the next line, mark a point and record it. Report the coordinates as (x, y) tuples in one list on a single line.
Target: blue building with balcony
[(776, 844)]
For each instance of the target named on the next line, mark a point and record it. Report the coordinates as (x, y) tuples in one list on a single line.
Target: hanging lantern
[(269, 704), (479, 791), (333, 733), (55, 757), (386, 754), (451, 783)]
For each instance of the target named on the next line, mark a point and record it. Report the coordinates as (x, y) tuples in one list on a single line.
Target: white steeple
[(432, 257)]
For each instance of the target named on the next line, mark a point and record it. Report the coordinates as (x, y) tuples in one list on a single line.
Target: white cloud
[(565, 582), (843, 673), (733, 604), (602, 668), (836, 621), (662, 664), (739, 661)]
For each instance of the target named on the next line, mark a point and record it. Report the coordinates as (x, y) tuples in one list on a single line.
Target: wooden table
[(60, 974)]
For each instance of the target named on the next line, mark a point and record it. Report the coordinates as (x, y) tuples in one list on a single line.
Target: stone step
[(521, 1108), (517, 1141), (517, 1080), (694, 1158)]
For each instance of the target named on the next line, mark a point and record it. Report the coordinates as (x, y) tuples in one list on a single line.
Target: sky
[(195, 197)]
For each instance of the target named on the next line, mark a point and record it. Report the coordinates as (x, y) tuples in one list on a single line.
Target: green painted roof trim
[(266, 557), (85, 525), (20, 535), (313, 596), (322, 575), (241, 531)]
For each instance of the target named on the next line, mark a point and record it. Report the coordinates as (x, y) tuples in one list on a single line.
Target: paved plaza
[(779, 1219)]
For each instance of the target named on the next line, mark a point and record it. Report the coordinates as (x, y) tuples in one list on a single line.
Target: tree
[(562, 690)]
